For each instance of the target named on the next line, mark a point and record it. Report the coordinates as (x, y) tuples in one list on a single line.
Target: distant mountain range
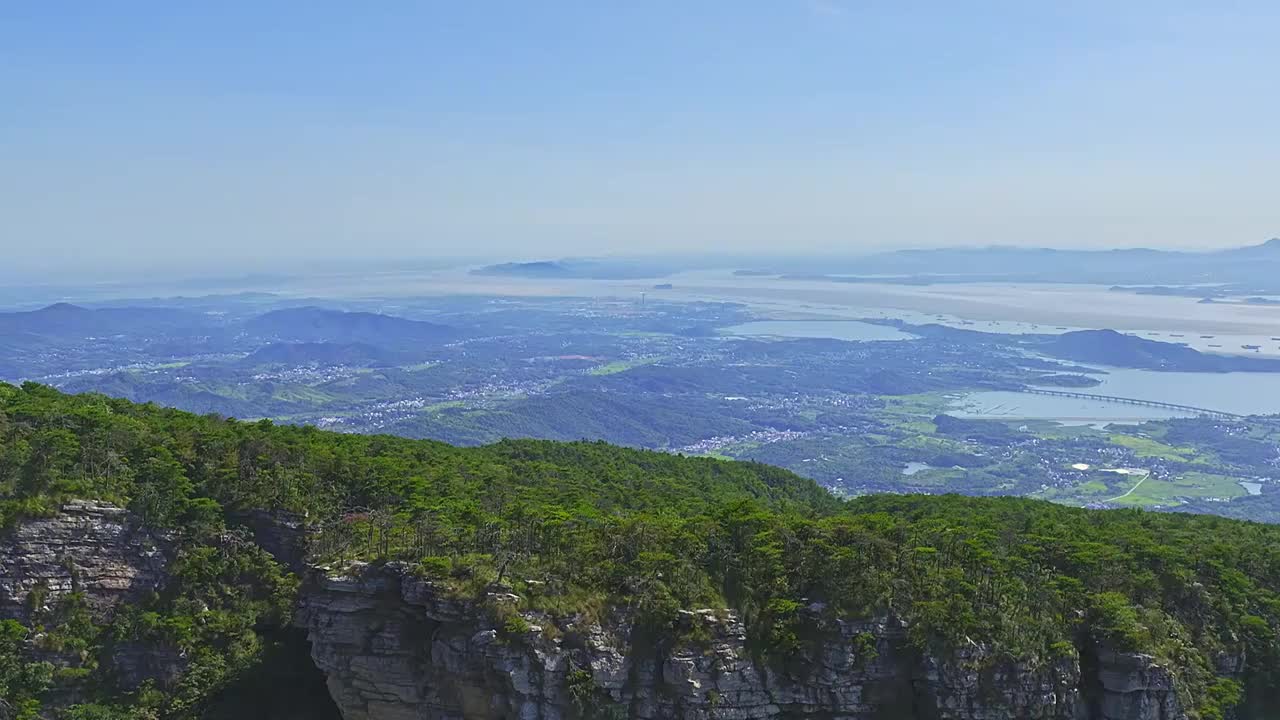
[(1256, 265), (1021, 260), (63, 319)]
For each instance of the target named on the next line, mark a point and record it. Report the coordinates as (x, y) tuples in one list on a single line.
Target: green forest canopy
[(599, 526)]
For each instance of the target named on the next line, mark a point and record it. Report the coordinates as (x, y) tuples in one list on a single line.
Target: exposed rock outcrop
[(101, 552), (396, 648), (1134, 687), (90, 547)]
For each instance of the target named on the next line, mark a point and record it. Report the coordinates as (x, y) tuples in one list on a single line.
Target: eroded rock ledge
[(394, 647)]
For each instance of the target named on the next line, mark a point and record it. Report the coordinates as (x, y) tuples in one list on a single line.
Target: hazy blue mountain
[(1255, 264), (318, 325), (66, 320)]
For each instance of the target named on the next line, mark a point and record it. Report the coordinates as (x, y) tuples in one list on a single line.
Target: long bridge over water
[(1136, 401)]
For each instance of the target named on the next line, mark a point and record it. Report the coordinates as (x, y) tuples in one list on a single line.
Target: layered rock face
[(1134, 686), (101, 552), (90, 547), (394, 648)]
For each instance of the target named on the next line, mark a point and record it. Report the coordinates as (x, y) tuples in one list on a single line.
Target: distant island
[(1108, 347), (578, 270), (1099, 347)]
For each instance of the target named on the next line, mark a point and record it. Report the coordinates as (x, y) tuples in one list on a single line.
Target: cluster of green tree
[(582, 527), (1255, 447), (1066, 380)]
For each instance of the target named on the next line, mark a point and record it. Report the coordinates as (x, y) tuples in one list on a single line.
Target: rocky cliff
[(90, 547), (396, 648), (101, 555)]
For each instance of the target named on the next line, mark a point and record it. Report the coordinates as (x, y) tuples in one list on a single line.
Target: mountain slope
[(570, 535)]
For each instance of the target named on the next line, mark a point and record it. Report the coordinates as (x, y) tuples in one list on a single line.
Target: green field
[(929, 404), (1094, 487), (1190, 485), (619, 366), (1145, 447)]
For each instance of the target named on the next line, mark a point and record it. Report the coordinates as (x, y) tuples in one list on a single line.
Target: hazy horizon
[(236, 138)]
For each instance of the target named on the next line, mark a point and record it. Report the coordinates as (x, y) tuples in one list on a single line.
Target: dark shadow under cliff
[(286, 685)]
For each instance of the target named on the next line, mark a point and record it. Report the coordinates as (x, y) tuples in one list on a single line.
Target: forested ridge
[(578, 528)]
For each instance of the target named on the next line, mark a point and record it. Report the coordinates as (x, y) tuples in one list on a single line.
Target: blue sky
[(234, 134)]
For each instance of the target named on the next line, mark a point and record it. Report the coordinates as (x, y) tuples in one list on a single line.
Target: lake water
[(1252, 488), (1239, 393), (1068, 411), (915, 467), (834, 329)]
